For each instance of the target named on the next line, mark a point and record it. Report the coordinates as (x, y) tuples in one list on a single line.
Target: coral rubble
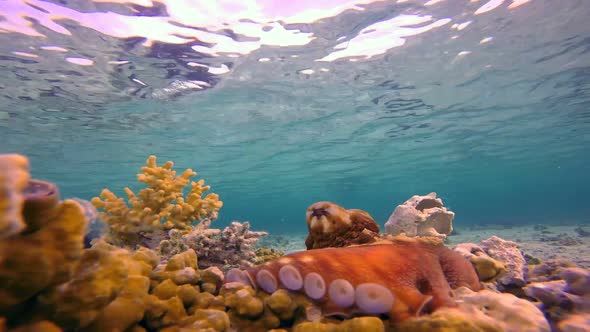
[(421, 216)]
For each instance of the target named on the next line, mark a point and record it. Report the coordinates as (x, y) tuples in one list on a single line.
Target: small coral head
[(325, 217)]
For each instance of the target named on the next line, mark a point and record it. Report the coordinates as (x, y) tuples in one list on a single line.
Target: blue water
[(493, 115)]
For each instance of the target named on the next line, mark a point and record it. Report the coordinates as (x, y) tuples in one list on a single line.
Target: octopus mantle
[(400, 279)]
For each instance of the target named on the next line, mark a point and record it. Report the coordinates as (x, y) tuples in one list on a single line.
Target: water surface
[(277, 105)]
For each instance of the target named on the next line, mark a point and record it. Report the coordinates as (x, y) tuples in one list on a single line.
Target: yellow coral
[(34, 261), (242, 301), (159, 207), (98, 278), (281, 304), (359, 324), (14, 176), (488, 269), (43, 326), (180, 268)]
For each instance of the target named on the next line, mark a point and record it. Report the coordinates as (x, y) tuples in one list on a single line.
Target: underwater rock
[(330, 225), (483, 311), (566, 301), (505, 310), (488, 269), (550, 293), (582, 232), (575, 323), (421, 216), (511, 256), (549, 270), (401, 279), (578, 280)]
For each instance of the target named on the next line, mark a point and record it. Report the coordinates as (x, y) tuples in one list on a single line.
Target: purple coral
[(234, 246)]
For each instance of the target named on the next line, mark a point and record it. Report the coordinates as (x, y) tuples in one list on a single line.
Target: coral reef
[(331, 225), (158, 208), (233, 246), (400, 278), (421, 216), (49, 282)]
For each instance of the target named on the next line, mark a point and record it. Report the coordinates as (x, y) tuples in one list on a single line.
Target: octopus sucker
[(267, 281), (342, 293), (374, 299), (400, 279), (290, 277), (314, 286)]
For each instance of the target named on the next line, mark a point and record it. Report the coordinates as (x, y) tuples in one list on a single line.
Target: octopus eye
[(423, 286)]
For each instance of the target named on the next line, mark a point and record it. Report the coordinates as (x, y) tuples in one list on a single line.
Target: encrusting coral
[(154, 210)]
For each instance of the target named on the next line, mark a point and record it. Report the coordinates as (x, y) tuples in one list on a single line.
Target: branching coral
[(230, 247), (158, 208)]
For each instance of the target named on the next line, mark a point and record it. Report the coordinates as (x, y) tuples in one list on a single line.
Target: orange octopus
[(401, 278), (331, 225)]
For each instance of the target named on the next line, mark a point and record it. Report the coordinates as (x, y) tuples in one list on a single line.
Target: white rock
[(421, 216)]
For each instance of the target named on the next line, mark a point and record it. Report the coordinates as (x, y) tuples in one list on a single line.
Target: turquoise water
[(363, 103)]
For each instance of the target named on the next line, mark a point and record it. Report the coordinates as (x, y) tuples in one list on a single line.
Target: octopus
[(331, 225), (402, 278)]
